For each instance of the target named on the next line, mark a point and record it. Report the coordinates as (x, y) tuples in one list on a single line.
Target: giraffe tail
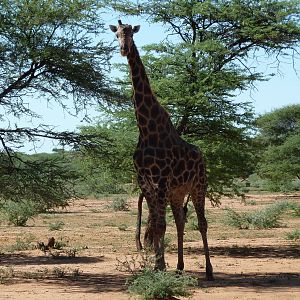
[(139, 223)]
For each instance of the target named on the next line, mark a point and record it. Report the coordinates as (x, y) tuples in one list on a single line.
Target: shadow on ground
[(250, 280), (20, 259), (104, 282), (289, 251), (92, 283)]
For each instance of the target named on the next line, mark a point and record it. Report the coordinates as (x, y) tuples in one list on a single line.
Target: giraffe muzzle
[(124, 51)]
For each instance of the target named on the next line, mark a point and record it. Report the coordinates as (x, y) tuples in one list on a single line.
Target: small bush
[(22, 244), (296, 210), (6, 273), (192, 224), (250, 202), (119, 204), (293, 235), (266, 218), (235, 219), (122, 227), (151, 284), (135, 263), (168, 243), (18, 213), (60, 244), (161, 285), (59, 272), (56, 226)]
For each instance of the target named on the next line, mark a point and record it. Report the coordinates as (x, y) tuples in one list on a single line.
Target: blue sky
[(282, 89)]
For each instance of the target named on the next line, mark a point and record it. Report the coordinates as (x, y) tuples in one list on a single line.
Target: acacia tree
[(279, 136), (49, 50), (204, 62)]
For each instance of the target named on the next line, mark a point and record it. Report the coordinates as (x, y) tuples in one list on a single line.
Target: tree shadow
[(82, 281), (105, 282), (249, 280), (92, 283), (286, 251), (20, 259)]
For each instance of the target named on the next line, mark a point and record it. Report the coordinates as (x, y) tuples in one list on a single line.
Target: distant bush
[(122, 227), (161, 285), (293, 235), (281, 185), (235, 219), (192, 224), (18, 213), (119, 204), (22, 243), (56, 226), (265, 218)]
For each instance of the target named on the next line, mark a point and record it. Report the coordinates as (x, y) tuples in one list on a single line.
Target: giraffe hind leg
[(199, 204)]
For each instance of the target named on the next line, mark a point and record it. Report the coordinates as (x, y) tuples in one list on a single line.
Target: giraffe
[(148, 237), (167, 167)]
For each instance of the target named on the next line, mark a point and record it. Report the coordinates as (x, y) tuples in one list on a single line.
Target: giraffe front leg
[(178, 213), (160, 229)]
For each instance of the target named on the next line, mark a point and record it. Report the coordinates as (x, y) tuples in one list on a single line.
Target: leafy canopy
[(204, 61), (52, 51), (279, 133)]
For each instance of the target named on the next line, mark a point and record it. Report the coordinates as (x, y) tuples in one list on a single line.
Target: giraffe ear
[(136, 29), (113, 28)]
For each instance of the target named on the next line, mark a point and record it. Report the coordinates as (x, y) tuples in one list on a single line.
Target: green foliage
[(203, 63), (48, 53), (151, 284), (45, 179), (192, 223), (279, 134), (235, 219), (60, 244), (280, 124), (107, 171), (161, 285), (22, 243), (261, 219), (56, 226), (18, 213), (122, 227), (119, 204), (48, 48), (293, 235)]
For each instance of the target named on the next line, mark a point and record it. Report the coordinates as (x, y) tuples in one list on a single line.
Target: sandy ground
[(248, 264)]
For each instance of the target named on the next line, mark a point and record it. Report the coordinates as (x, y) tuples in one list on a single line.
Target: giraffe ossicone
[(167, 167)]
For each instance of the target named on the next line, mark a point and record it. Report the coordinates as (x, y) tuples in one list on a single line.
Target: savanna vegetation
[(55, 51)]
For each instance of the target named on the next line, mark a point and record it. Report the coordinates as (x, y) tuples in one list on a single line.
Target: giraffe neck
[(152, 118)]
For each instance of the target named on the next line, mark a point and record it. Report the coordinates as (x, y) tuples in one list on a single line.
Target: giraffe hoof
[(210, 277), (139, 246), (180, 267), (179, 272), (160, 267)]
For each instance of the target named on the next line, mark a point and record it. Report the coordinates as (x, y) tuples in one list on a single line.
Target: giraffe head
[(124, 33)]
